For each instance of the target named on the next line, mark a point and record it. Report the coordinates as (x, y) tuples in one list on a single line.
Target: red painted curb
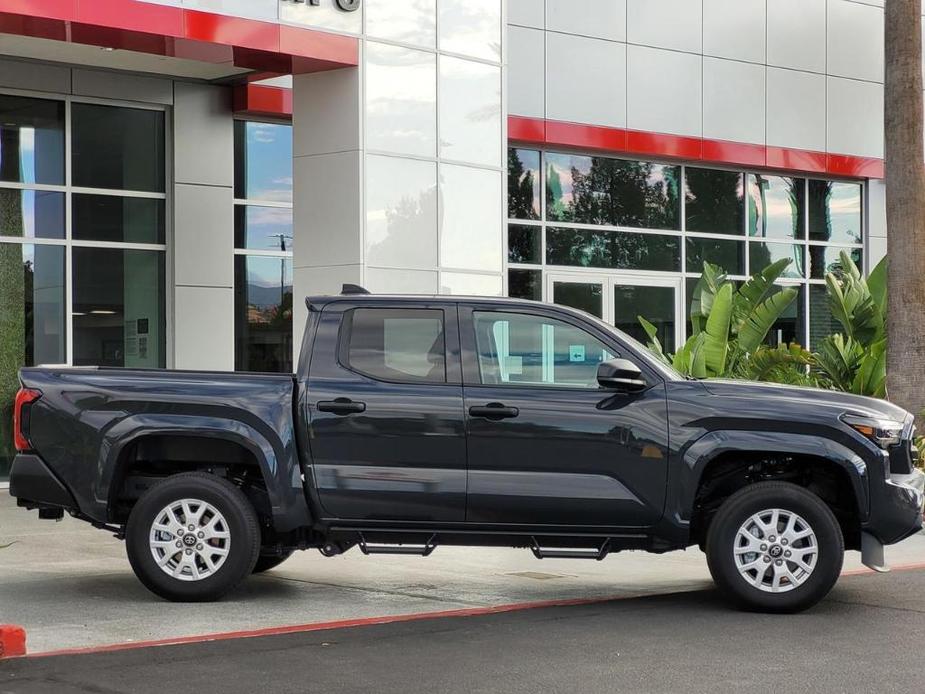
[(12, 641), (372, 621)]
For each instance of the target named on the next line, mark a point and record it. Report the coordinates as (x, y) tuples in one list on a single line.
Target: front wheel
[(192, 537), (775, 547)]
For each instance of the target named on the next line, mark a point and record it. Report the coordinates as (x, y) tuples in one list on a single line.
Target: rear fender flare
[(278, 465)]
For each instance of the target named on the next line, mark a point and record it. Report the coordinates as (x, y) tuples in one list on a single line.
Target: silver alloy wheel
[(776, 550), (190, 539)]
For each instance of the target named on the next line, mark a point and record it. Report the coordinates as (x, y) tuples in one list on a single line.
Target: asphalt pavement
[(867, 636)]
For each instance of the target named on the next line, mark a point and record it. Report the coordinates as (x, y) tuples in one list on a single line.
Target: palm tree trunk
[(905, 206)]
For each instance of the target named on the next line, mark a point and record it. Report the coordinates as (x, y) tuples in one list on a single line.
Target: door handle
[(494, 410), (341, 406)]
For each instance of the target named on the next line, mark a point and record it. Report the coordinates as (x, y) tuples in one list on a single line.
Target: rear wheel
[(775, 547), (266, 562), (192, 537)]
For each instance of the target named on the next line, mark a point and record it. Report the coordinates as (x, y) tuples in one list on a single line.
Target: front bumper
[(896, 507), (35, 486)]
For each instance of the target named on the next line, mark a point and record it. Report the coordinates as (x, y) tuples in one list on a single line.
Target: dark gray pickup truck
[(415, 422)]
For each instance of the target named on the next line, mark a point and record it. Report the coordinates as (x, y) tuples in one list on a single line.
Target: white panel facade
[(854, 120), (673, 24), (203, 319), (855, 40), (526, 74), (603, 20), (657, 82), (796, 34), (527, 13), (733, 101), (369, 143), (585, 80), (735, 29), (796, 109)]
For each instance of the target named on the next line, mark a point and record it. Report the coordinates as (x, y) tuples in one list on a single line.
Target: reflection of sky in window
[(845, 212), (269, 228), (269, 162), (774, 214), (27, 153)]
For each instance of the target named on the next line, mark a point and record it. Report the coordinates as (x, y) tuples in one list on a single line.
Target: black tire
[(242, 529), (722, 559), (266, 562)]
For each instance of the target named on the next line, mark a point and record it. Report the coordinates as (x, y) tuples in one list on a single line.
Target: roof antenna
[(353, 289)]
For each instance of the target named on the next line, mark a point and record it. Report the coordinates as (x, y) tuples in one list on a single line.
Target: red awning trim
[(180, 33)]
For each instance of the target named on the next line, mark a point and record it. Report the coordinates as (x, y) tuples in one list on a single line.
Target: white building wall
[(399, 163), (805, 74)]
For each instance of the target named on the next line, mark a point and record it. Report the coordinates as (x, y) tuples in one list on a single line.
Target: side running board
[(424, 550), (569, 552)]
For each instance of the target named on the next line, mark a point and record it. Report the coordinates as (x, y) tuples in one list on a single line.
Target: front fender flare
[(279, 467), (685, 476)]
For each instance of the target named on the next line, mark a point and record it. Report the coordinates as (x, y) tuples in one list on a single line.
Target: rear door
[(387, 430)]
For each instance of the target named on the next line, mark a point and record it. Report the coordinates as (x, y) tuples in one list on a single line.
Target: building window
[(263, 246), (607, 235), (82, 248)]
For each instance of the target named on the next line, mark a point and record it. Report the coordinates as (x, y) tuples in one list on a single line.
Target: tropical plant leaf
[(755, 290), (762, 317), (654, 344), (781, 364), (852, 304), (711, 279), (716, 332), (837, 361), (876, 285), (870, 378)]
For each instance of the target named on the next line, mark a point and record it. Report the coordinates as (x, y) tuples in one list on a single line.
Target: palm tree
[(905, 205)]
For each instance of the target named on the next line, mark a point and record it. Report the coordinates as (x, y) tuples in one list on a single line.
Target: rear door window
[(397, 345)]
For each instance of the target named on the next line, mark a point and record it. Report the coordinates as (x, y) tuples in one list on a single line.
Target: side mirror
[(620, 374)]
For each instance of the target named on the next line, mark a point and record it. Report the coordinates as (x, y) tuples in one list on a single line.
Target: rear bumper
[(896, 511), (35, 485)]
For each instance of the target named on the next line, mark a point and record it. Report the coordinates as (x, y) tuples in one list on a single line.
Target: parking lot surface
[(866, 637), (70, 585)]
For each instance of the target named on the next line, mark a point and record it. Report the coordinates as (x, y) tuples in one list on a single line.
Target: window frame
[(244, 204), (451, 359), (69, 190)]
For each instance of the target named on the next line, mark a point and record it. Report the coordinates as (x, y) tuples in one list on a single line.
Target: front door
[(387, 436), (546, 445), (621, 299)]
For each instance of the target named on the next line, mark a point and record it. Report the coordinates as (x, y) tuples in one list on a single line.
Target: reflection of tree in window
[(523, 184), (614, 192), (714, 201), (408, 221), (612, 249)]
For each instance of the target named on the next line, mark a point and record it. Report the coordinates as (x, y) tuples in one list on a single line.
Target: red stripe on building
[(536, 131), (180, 33)]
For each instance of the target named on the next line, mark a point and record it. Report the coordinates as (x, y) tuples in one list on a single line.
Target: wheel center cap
[(189, 540), (776, 551)]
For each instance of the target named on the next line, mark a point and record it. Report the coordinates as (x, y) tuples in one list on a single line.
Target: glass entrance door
[(621, 299)]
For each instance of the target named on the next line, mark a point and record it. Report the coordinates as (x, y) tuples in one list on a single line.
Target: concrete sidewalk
[(70, 585)]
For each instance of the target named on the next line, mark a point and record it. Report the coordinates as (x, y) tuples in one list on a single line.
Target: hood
[(847, 402)]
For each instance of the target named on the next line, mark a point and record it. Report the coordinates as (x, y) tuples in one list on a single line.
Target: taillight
[(24, 398)]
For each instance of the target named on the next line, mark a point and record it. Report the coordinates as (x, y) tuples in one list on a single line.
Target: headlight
[(883, 432)]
